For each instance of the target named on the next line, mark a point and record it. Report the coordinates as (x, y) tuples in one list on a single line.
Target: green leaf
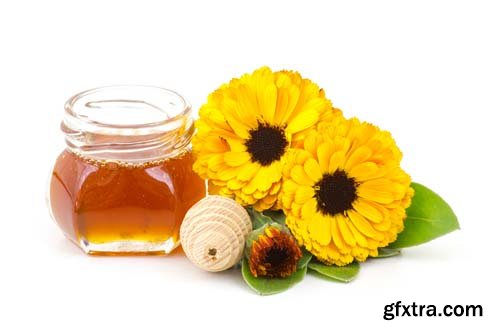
[(258, 219), (338, 273), (428, 217), (277, 215), (267, 286), (306, 257), (387, 252)]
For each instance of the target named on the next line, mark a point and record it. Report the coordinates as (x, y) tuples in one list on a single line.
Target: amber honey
[(109, 207)]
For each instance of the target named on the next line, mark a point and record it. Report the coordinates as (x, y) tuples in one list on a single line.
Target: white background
[(428, 71)]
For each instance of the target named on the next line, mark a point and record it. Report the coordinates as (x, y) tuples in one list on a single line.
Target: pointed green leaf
[(258, 219), (338, 273), (306, 257), (428, 217), (387, 252), (277, 215), (266, 286)]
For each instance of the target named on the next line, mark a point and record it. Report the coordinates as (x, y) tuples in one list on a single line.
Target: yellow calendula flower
[(246, 129), (345, 194)]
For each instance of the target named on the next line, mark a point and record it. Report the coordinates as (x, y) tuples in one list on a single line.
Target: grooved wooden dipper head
[(214, 231)]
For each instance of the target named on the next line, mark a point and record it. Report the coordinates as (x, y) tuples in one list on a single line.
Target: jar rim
[(72, 104), (134, 123)]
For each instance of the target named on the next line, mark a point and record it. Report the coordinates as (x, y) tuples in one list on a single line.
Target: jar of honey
[(125, 180)]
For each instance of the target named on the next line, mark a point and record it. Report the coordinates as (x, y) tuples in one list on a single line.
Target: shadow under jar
[(125, 181)]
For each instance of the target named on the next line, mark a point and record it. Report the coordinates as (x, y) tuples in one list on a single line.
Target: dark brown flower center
[(335, 193), (266, 144), (277, 256)]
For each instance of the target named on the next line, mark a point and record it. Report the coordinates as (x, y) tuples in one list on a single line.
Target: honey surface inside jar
[(135, 208)]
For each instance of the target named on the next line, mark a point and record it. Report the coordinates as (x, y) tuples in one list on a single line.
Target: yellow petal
[(382, 184), (236, 144), (252, 185), (336, 235), (248, 171), (312, 169), (228, 173), (300, 225), (275, 188), (311, 142), (213, 188), (363, 171), (359, 156), (258, 194), (295, 209), (302, 121), (319, 228), (377, 196), (360, 239), (303, 194), (234, 184), (287, 100), (238, 127), (215, 162), (245, 106), (309, 209), (268, 103), (272, 172), (336, 161), (384, 225), (299, 176), (269, 200), (344, 230), (215, 145), (361, 223), (236, 158), (262, 180), (324, 151), (289, 187), (367, 210), (332, 252), (286, 202)]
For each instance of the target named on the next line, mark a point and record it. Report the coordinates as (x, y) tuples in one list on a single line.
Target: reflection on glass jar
[(125, 180)]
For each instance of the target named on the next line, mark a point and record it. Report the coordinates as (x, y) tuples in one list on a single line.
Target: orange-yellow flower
[(345, 193), (246, 129), (273, 252)]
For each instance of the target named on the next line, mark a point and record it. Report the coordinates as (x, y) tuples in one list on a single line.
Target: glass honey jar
[(125, 181)]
